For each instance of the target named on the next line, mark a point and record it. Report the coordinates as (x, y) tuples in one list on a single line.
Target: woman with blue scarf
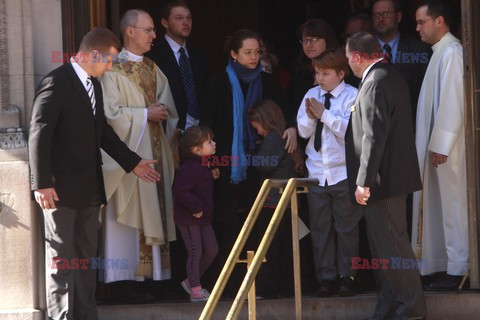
[(228, 98)]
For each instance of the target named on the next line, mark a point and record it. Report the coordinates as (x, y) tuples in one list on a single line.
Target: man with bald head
[(140, 108)]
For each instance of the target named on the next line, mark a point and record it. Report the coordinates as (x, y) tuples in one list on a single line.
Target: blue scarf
[(244, 136)]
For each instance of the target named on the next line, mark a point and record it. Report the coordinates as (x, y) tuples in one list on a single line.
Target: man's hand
[(198, 215), (438, 159), (362, 194), (46, 198), (316, 108), (145, 172), (215, 173), (291, 135), (157, 112)]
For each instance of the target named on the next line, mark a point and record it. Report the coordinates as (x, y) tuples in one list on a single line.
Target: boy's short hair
[(331, 59)]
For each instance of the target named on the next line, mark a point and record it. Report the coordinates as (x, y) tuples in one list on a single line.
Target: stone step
[(441, 306)]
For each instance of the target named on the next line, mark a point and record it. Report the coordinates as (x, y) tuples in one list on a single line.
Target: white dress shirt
[(328, 164), (176, 47), (82, 74)]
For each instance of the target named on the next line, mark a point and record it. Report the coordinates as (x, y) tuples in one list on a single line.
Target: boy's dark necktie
[(317, 143)]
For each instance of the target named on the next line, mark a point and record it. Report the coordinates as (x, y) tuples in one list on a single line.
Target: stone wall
[(24, 60)]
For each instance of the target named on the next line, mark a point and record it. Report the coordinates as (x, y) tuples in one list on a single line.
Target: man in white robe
[(440, 210), (138, 224)]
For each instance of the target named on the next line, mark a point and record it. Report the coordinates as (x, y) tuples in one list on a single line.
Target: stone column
[(21, 246)]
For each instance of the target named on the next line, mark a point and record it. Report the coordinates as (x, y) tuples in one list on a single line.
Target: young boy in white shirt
[(323, 119)]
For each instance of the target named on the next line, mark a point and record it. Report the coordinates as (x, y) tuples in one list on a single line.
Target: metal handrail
[(288, 195)]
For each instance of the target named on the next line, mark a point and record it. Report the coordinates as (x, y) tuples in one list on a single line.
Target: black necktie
[(188, 85), (388, 52), (91, 94), (317, 143)]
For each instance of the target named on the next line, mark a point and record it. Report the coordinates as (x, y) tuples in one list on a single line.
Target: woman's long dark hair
[(270, 116)]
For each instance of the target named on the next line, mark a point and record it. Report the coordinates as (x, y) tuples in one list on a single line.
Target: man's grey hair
[(130, 18)]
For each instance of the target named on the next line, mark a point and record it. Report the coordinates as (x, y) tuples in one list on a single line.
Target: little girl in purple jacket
[(193, 206)]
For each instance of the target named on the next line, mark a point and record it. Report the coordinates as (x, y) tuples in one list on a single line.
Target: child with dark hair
[(193, 206), (274, 162), (333, 217)]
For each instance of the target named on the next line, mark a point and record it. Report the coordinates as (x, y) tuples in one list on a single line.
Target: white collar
[(82, 74), (133, 57), (335, 92), (175, 45)]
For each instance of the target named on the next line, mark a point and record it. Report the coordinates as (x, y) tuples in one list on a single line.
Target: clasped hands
[(46, 197), (157, 112), (314, 108)]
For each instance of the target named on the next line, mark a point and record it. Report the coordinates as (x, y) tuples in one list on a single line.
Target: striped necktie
[(91, 93)]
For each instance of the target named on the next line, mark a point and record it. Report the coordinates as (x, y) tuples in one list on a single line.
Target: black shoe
[(327, 288), (447, 283), (346, 287)]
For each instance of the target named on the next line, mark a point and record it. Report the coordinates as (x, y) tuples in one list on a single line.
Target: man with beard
[(409, 56)]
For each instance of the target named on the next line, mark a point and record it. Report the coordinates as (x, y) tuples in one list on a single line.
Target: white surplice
[(440, 128), (133, 204)]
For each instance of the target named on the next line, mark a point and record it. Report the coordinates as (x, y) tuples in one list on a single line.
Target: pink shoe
[(199, 296), (186, 286)]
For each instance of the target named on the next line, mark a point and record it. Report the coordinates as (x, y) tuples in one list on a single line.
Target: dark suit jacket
[(412, 61), (65, 139), (379, 142), (164, 57)]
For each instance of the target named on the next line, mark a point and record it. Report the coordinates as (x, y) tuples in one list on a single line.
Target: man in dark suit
[(409, 56), (67, 130), (382, 168), (171, 52)]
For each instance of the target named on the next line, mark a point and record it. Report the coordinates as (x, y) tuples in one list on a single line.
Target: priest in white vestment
[(440, 219), (138, 224)]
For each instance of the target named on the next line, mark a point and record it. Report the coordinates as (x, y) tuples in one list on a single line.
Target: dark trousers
[(70, 236), (399, 290), (334, 230), (202, 248)]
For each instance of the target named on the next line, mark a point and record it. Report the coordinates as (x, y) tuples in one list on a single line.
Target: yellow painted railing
[(289, 195)]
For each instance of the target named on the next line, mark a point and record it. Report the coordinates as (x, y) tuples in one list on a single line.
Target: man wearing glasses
[(441, 151), (139, 106), (409, 56)]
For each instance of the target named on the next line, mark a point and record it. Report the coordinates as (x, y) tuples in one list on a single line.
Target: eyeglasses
[(422, 22), (146, 30), (307, 41), (383, 15)]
